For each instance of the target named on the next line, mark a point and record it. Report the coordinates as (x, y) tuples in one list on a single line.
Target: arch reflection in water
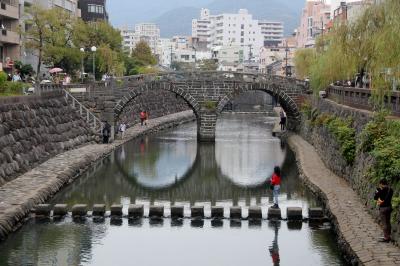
[(159, 163), (244, 153)]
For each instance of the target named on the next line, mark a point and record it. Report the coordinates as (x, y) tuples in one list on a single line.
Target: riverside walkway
[(356, 228), (19, 196)]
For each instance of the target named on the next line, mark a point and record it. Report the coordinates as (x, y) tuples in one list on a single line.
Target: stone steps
[(179, 211)]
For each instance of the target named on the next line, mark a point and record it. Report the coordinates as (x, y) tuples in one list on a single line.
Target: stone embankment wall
[(33, 129), (329, 151)]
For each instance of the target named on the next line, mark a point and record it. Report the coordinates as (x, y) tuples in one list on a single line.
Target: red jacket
[(276, 180)]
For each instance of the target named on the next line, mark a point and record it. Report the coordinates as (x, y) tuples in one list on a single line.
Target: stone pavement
[(19, 196), (357, 231)]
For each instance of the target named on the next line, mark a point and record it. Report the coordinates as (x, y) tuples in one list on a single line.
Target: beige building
[(315, 17), (9, 37), (275, 59)]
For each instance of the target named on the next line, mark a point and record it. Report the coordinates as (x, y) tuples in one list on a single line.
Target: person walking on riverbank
[(282, 115), (383, 196), (122, 129), (106, 132), (142, 117), (276, 184)]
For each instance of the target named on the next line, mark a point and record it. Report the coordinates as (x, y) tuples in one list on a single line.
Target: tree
[(143, 55), (36, 35), (208, 65), (303, 60)]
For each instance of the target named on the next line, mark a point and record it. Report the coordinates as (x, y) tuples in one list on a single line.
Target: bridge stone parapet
[(361, 98)]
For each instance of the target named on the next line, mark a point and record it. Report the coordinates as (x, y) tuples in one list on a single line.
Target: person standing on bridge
[(282, 115), (383, 196), (276, 185)]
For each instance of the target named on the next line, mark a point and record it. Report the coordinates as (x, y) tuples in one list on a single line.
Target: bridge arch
[(134, 92), (287, 102)]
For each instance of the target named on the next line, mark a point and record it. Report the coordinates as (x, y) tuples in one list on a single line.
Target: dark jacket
[(384, 194)]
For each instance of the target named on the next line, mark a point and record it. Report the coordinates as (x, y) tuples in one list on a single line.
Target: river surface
[(172, 168)]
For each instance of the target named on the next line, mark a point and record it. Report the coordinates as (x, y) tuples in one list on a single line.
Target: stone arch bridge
[(206, 93)]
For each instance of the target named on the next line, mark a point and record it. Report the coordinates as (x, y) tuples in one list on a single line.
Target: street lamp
[(82, 70), (94, 49)]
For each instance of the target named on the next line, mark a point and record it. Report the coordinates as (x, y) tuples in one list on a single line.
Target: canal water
[(172, 168)]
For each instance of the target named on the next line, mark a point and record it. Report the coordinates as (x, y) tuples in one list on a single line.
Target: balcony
[(9, 9), (10, 37)]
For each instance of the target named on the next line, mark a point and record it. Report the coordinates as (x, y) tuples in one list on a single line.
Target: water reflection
[(89, 243), (274, 248), (245, 153), (172, 166)]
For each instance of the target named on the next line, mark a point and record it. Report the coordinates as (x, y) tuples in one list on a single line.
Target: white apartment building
[(148, 32), (236, 30), (164, 51), (272, 32), (202, 28)]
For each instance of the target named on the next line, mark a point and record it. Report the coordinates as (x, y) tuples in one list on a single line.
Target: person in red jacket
[(276, 183), (142, 117)]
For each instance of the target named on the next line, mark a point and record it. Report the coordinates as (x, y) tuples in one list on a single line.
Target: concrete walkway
[(19, 196), (355, 225)]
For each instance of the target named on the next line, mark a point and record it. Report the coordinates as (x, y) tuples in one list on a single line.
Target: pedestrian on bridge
[(383, 196), (276, 185)]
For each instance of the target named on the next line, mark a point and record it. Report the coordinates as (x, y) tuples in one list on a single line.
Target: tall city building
[(272, 32), (241, 31), (315, 17), (9, 36), (148, 32), (93, 10)]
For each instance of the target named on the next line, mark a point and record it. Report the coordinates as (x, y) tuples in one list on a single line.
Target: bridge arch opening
[(157, 100), (277, 97)]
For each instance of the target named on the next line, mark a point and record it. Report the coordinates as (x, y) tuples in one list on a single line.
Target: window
[(95, 9)]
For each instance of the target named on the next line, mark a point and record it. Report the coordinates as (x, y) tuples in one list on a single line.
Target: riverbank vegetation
[(8, 88), (379, 140), (370, 45)]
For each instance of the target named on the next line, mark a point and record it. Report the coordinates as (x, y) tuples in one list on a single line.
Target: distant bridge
[(206, 93)]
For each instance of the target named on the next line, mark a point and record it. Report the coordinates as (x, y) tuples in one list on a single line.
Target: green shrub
[(322, 119), (210, 105), (375, 129), (306, 109)]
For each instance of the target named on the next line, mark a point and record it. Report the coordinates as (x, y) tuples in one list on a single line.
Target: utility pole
[(286, 59), (170, 65), (250, 52)]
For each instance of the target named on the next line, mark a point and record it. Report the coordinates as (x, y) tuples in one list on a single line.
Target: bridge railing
[(361, 98)]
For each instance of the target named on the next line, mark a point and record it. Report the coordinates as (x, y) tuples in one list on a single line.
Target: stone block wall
[(33, 129), (158, 103), (329, 150)]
